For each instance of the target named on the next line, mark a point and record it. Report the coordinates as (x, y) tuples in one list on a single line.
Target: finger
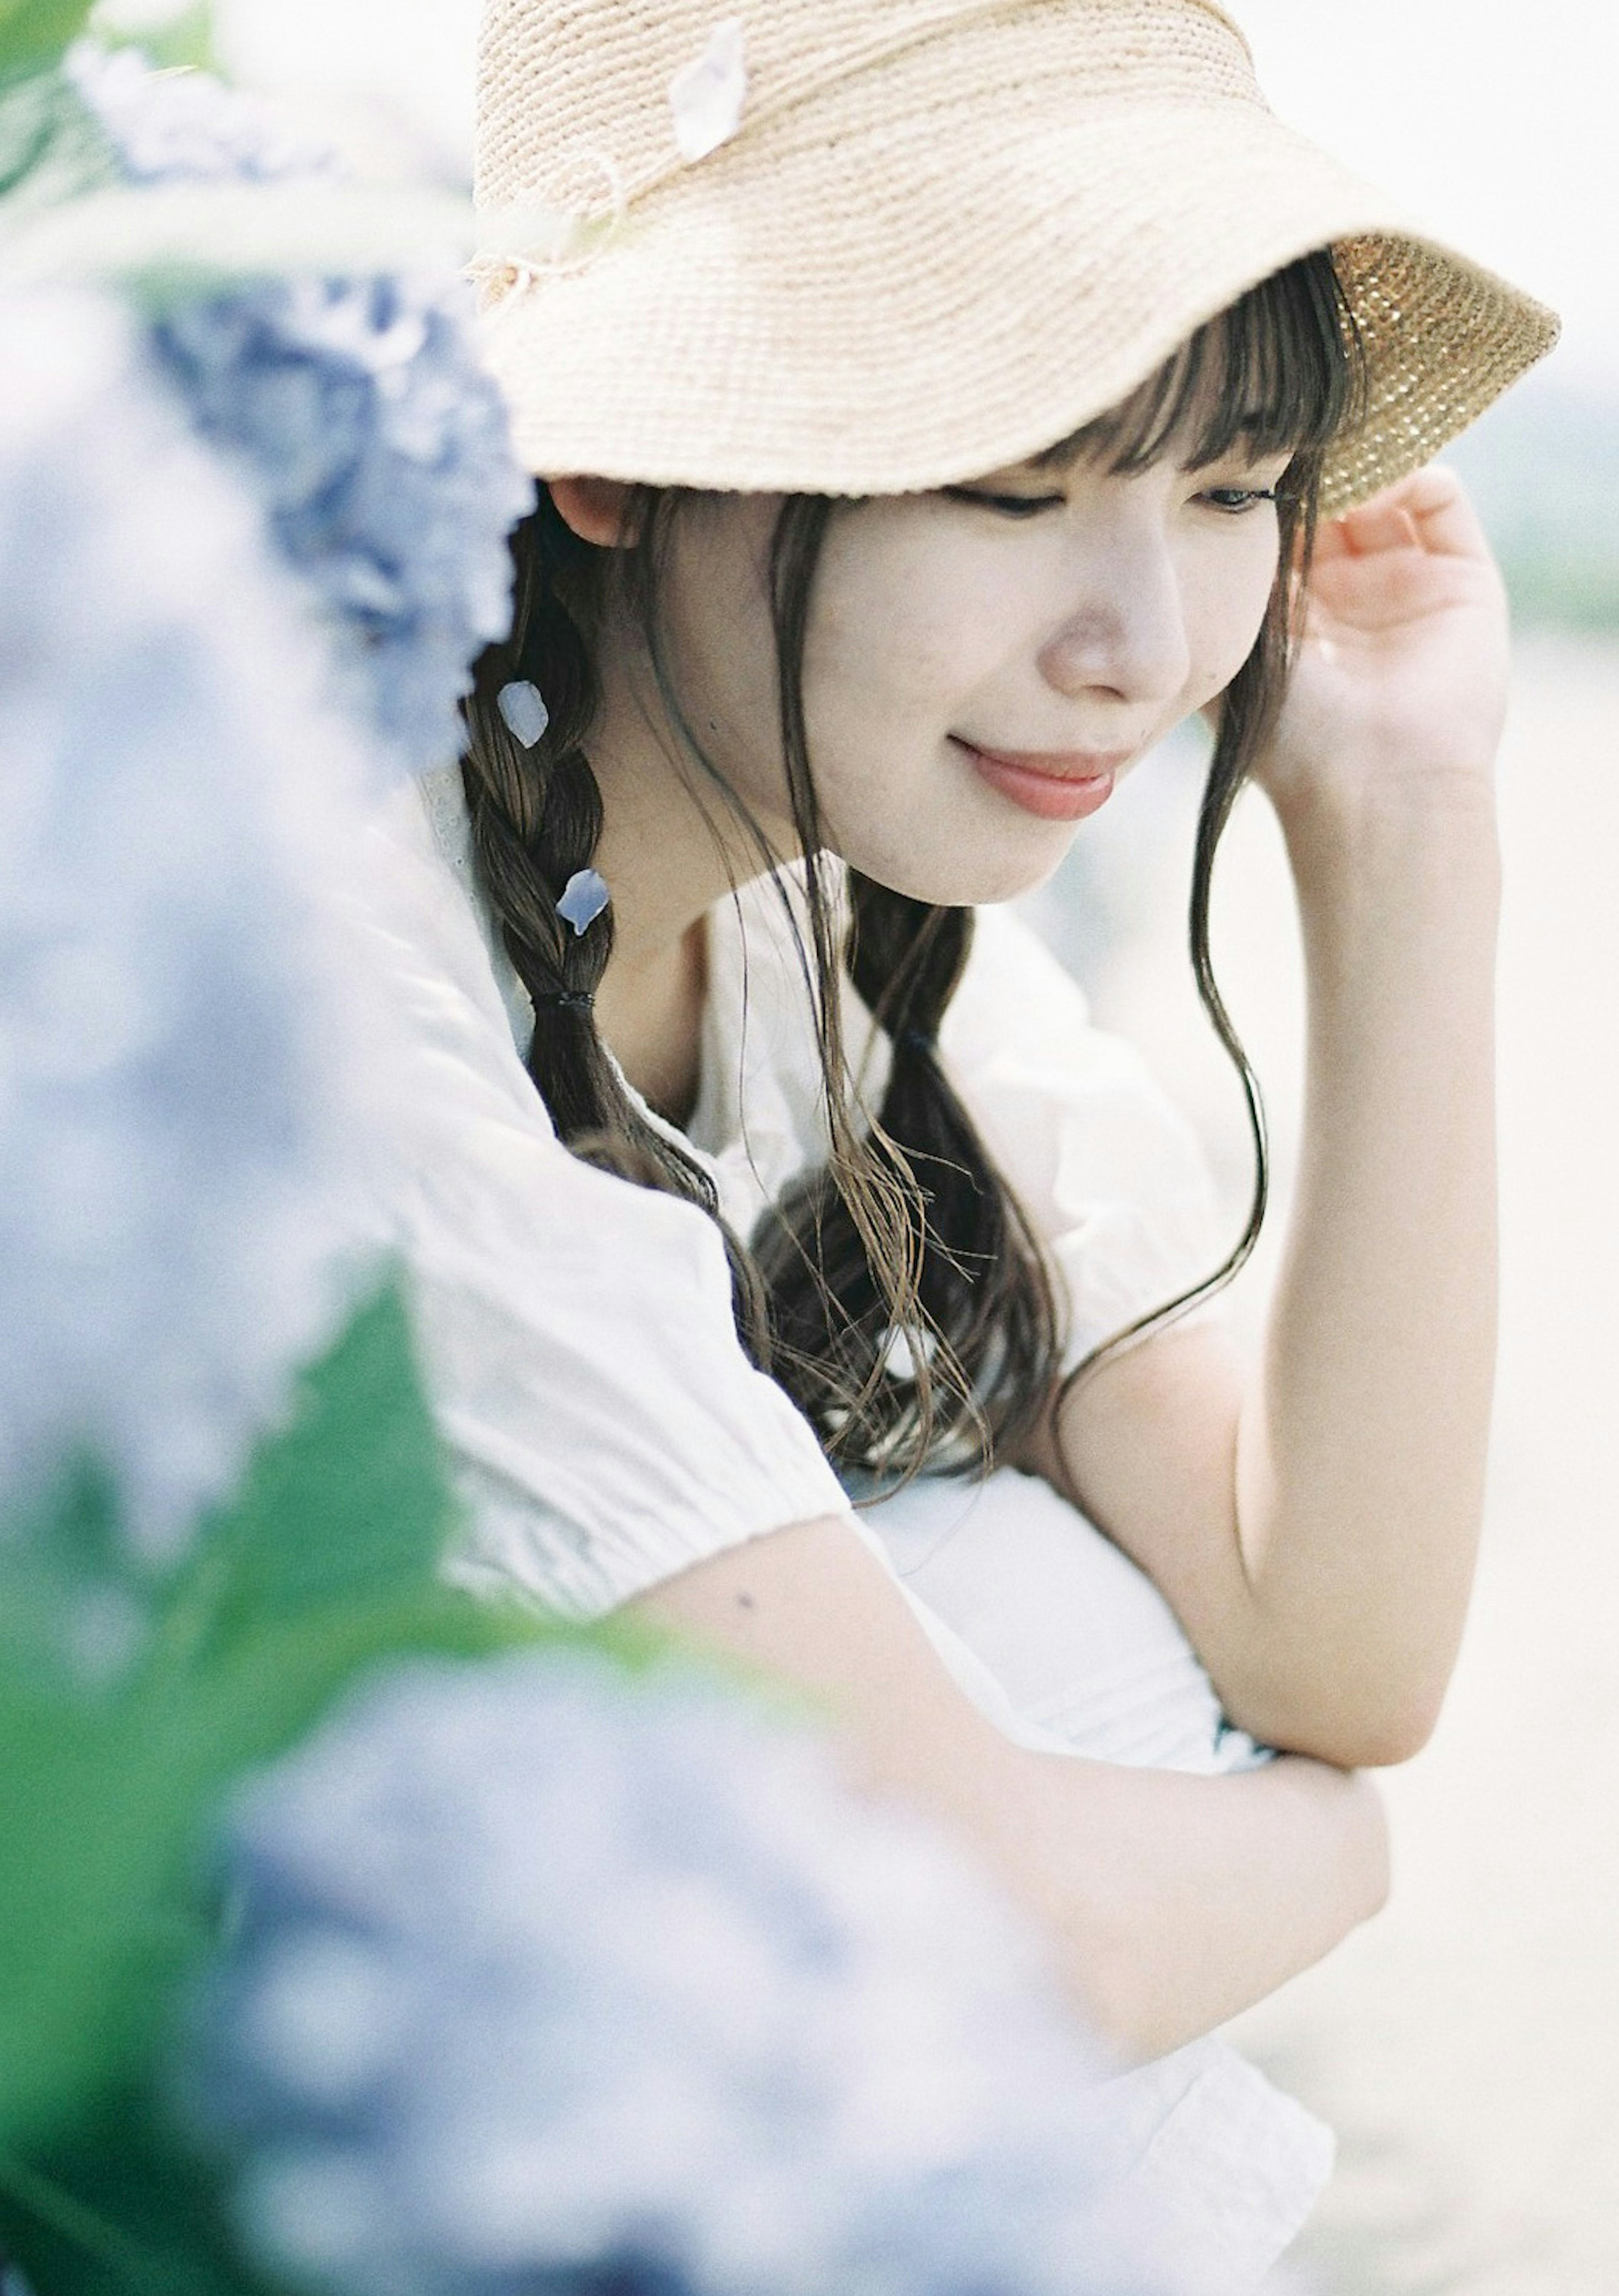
[(1330, 543), (1381, 525), (1446, 520), (1435, 512), (1363, 532)]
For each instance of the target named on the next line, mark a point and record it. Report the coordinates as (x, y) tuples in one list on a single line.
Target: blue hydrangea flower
[(541, 1972), (190, 1060), (178, 126), (373, 435)]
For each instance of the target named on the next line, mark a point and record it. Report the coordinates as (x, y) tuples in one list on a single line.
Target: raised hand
[(1316, 1526), (1400, 688)]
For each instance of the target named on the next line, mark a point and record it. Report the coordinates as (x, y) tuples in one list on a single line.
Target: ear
[(594, 508)]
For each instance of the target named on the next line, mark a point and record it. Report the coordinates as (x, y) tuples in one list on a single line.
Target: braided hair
[(536, 813)]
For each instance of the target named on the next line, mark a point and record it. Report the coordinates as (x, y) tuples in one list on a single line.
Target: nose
[(1123, 631)]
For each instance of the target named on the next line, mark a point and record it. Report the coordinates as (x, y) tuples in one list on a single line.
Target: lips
[(1053, 785)]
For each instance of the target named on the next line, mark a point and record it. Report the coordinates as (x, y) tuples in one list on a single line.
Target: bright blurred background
[(1467, 2046)]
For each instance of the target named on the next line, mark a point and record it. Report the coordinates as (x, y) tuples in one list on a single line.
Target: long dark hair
[(898, 1292)]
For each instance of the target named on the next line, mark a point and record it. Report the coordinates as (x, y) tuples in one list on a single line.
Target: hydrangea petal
[(584, 898), (707, 97), (901, 1349), (192, 1066), (663, 2001), (522, 705), (359, 409)]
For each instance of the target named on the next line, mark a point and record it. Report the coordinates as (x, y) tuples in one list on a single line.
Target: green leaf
[(113, 1772), (75, 1600), (125, 2207), (52, 146), (186, 39), (350, 1501), (35, 32), (134, 1700)]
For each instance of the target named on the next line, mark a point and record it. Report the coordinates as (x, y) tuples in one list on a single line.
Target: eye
[(1005, 506), (1233, 501)]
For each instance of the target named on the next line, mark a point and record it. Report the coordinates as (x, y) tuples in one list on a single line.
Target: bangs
[(1281, 372)]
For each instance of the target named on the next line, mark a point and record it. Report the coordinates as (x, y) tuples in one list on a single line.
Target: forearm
[(1178, 1901), (1361, 1446), (1172, 1901), (1315, 1524), (1316, 1528)]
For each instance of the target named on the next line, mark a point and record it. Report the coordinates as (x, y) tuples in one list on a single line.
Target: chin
[(963, 879)]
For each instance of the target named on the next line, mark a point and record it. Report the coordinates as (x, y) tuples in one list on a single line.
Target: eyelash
[(1230, 502), (1008, 506)]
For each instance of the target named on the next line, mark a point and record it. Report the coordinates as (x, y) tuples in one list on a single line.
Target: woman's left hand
[(1400, 688)]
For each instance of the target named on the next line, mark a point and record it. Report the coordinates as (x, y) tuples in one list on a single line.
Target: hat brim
[(854, 303)]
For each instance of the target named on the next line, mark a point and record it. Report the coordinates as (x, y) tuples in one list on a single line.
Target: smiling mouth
[(1053, 785), (1058, 765)]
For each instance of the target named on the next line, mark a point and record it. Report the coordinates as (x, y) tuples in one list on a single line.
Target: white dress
[(606, 1430)]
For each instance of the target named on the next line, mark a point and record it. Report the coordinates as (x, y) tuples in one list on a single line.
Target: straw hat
[(874, 246)]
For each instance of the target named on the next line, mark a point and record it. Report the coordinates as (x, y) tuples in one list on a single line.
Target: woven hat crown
[(575, 91), (931, 237)]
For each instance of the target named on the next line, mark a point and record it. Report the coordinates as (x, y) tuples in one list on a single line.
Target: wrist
[(1367, 791), (1437, 840)]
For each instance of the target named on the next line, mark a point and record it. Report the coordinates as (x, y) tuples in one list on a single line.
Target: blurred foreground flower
[(204, 1532), (189, 1062), (551, 1978), (168, 127), (358, 406)]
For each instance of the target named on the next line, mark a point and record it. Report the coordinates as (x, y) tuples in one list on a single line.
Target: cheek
[(716, 615), (906, 624), (1226, 598)]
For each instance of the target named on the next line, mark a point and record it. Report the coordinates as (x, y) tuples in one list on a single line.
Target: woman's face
[(984, 663)]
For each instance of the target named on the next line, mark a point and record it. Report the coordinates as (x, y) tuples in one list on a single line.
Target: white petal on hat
[(707, 97)]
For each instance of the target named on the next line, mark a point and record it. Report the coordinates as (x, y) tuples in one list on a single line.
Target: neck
[(667, 860)]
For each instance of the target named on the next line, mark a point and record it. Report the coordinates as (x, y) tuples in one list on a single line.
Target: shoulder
[(604, 1428), (423, 895)]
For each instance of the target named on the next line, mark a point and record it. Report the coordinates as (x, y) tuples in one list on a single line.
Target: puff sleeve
[(603, 1426)]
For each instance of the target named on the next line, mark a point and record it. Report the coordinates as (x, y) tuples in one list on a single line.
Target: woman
[(901, 491)]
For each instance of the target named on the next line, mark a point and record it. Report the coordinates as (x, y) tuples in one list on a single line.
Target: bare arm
[(1173, 1901), (1315, 1526)]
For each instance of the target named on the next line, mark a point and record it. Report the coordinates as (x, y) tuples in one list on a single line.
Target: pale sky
[(1496, 124)]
